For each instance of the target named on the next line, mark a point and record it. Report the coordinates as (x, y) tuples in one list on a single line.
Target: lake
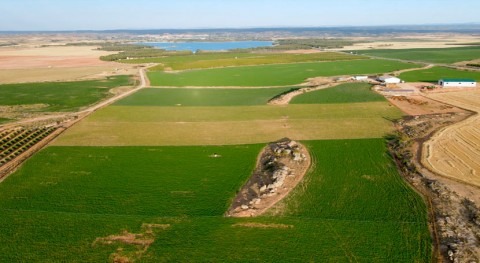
[(210, 46)]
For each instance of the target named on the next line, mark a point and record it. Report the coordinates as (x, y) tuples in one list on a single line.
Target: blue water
[(210, 46)]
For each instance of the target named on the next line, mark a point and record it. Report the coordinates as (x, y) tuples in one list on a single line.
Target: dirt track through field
[(454, 152)]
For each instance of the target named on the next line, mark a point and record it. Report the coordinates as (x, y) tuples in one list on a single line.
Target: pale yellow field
[(424, 41), (455, 151), (124, 125), (59, 63)]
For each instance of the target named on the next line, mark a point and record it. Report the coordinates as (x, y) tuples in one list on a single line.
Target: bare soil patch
[(420, 105), (141, 241), (424, 41), (260, 225), (55, 63), (280, 167), (21, 58)]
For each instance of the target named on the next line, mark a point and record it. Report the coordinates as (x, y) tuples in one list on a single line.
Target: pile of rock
[(270, 179), (458, 227)]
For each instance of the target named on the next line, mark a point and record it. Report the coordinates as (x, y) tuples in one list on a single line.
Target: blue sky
[(160, 14)]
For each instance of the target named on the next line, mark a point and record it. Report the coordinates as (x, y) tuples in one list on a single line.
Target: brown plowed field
[(56, 63), (454, 152)]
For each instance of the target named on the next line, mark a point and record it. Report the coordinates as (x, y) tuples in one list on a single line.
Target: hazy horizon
[(77, 15)]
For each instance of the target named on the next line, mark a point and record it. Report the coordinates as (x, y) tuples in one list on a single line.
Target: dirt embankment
[(454, 215), (280, 167)]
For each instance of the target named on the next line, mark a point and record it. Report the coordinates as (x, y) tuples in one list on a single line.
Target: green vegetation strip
[(436, 73), (344, 93), (353, 206), (4, 120), (227, 59), (201, 97), (273, 75), (433, 55), (60, 96)]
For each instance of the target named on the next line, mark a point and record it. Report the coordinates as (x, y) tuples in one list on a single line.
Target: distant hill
[(345, 30)]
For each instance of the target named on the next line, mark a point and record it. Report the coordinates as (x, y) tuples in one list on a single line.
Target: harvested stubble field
[(60, 63), (273, 75), (455, 151), (432, 55), (434, 74), (228, 59)]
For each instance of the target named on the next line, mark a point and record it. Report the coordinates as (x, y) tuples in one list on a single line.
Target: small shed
[(457, 83), (360, 78), (389, 80)]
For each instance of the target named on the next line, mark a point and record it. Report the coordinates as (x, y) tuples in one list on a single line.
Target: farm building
[(360, 78), (459, 83), (389, 79)]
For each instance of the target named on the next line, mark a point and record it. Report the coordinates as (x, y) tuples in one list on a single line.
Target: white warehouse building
[(389, 80), (457, 83)]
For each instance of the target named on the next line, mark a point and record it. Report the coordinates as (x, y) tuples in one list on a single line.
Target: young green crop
[(344, 93), (434, 55), (228, 59), (436, 73), (60, 96), (201, 97), (53, 209), (273, 75)]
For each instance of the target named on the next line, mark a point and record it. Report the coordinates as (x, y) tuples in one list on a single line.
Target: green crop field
[(436, 73), (227, 59), (201, 97), (344, 93), (4, 120), (143, 169), (433, 55), (273, 75), (53, 209), (60, 96)]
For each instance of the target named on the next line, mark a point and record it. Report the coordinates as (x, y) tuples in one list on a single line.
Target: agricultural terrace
[(68, 204), (211, 124), (436, 73), (60, 96), (273, 75), (431, 55), (229, 59)]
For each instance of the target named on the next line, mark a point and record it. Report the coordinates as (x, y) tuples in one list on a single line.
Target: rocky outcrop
[(280, 167)]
